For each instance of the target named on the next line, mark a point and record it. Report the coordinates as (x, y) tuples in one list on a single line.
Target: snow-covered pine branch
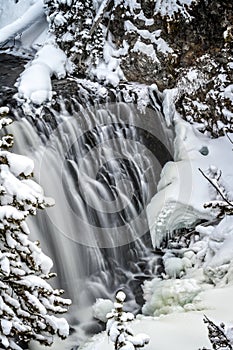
[(28, 303), (218, 335), (119, 331)]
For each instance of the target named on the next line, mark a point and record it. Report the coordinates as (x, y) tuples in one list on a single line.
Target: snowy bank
[(182, 190), (183, 331)]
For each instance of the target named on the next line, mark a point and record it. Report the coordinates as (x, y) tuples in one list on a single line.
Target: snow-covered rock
[(49, 61)]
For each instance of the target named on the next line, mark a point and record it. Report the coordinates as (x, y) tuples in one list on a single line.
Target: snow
[(36, 304), (4, 110), (6, 326), (139, 339), (120, 296), (21, 260), (101, 308), (19, 164), (146, 49), (154, 37), (118, 327), (182, 190), (169, 8), (184, 330), (34, 282), (39, 89), (49, 60), (108, 70), (42, 260), (61, 325), (8, 212), (24, 21)]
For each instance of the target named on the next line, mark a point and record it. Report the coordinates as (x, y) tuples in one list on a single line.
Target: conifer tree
[(119, 331), (28, 303), (72, 22)]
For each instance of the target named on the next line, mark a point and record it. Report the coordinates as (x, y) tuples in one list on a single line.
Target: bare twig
[(217, 189), (229, 138)]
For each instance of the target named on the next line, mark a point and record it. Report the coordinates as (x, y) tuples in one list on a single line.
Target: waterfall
[(101, 164)]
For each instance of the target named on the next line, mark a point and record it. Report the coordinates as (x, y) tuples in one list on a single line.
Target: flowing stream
[(101, 164)]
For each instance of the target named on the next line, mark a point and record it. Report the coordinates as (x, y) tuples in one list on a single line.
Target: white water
[(101, 167)]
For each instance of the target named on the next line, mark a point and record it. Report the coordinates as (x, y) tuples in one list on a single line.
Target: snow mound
[(49, 61)]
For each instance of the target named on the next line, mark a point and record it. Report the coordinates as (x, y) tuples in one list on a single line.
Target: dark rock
[(92, 328)]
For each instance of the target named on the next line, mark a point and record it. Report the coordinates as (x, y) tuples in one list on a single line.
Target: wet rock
[(93, 327)]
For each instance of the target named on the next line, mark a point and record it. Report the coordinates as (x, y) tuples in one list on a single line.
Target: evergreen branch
[(217, 335)]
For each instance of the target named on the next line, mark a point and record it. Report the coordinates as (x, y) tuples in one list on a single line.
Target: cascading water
[(101, 165)]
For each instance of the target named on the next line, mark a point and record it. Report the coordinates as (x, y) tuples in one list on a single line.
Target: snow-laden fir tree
[(72, 23), (119, 331), (28, 303)]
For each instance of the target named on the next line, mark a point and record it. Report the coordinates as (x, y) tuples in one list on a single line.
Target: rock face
[(189, 48), (185, 44), (190, 35)]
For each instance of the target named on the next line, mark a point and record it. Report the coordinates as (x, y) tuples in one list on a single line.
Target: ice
[(168, 296), (174, 267)]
